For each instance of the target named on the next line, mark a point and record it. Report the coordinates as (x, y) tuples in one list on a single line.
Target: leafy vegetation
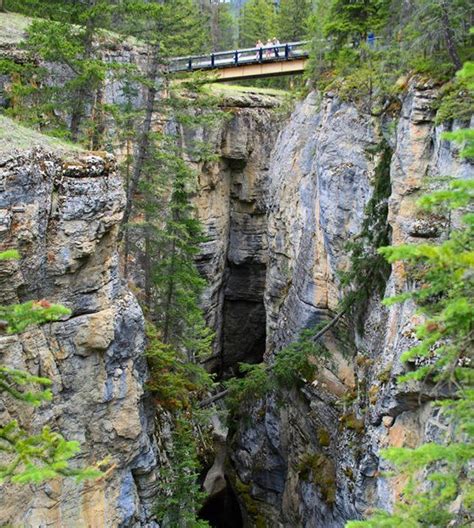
[(175, 384), (362, 49), (180, 496), (293, 365), (359, 49), (368, 270)]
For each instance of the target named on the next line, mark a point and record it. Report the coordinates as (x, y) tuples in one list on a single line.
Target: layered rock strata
[(61, 211), (232, 205), (310, 457)]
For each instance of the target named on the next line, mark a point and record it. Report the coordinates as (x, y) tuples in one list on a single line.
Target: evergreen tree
[(434, 31), (350, 21), (161, 222), (222, 26), (181, 498), (257, 20), (293, 18)]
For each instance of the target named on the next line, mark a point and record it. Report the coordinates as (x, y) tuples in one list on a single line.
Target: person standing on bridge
[(259, 46), (268, 47), (276, 43)]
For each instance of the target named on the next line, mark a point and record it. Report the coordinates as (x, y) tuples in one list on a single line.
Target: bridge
[(250, 63)]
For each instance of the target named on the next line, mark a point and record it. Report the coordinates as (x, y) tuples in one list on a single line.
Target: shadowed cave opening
[(222, 510), (244, 317), (243, 339)]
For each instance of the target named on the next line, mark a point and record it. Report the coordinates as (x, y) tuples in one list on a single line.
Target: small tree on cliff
[(25, 457)]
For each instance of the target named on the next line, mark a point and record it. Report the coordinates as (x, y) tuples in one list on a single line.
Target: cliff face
[(232, 205), (278, 205), (61, 211), (311, 457)]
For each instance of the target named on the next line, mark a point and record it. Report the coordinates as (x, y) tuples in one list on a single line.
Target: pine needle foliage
[(369, 270), (66, 94), (180, 498), (174, 383), (361, 49), (292, 366), (258, 21)]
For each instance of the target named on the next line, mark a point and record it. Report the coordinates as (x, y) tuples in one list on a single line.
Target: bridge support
[(265, 69)]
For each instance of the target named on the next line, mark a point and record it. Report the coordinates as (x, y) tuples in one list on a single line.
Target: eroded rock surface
[(232, 205), (61, 211), (310, 458)]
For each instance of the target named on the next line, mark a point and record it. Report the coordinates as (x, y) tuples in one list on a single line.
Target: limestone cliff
[(61, 210), (278, 205), (310, 458), (232, 205)]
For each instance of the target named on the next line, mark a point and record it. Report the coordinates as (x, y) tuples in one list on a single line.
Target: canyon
[(285, 194)]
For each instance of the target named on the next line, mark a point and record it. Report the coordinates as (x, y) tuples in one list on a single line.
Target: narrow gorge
[(278, 206), (295, 201)]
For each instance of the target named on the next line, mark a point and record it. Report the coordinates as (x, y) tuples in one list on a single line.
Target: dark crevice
[(222, 510), (244, 317)]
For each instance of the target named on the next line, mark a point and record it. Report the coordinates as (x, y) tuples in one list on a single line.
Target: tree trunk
[(98, 123), (449, 36), (169, 295), (2, 6), (83, 93), (144, 141)]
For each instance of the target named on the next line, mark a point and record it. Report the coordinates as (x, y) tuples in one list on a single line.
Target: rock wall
[(310, 458), (278, 205), (61, 211), (232, 205)]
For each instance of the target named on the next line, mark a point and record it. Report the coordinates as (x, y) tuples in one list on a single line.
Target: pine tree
[(162, 225), (180, 498), (257, 21), (293, 19), (435, 31), (222, 26), (350, 21)]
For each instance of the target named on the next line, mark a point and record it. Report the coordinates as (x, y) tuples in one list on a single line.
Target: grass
[(14, 136), (13, 27), (235, 88)]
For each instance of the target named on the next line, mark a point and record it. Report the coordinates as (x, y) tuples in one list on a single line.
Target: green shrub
[(456, 102), (293, 365), (173, 382), (369, 271)]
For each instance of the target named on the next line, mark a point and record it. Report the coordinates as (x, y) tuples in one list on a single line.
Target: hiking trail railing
[(226, 59)]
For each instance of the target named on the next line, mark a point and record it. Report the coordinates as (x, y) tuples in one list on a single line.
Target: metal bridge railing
[(224, 59)]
